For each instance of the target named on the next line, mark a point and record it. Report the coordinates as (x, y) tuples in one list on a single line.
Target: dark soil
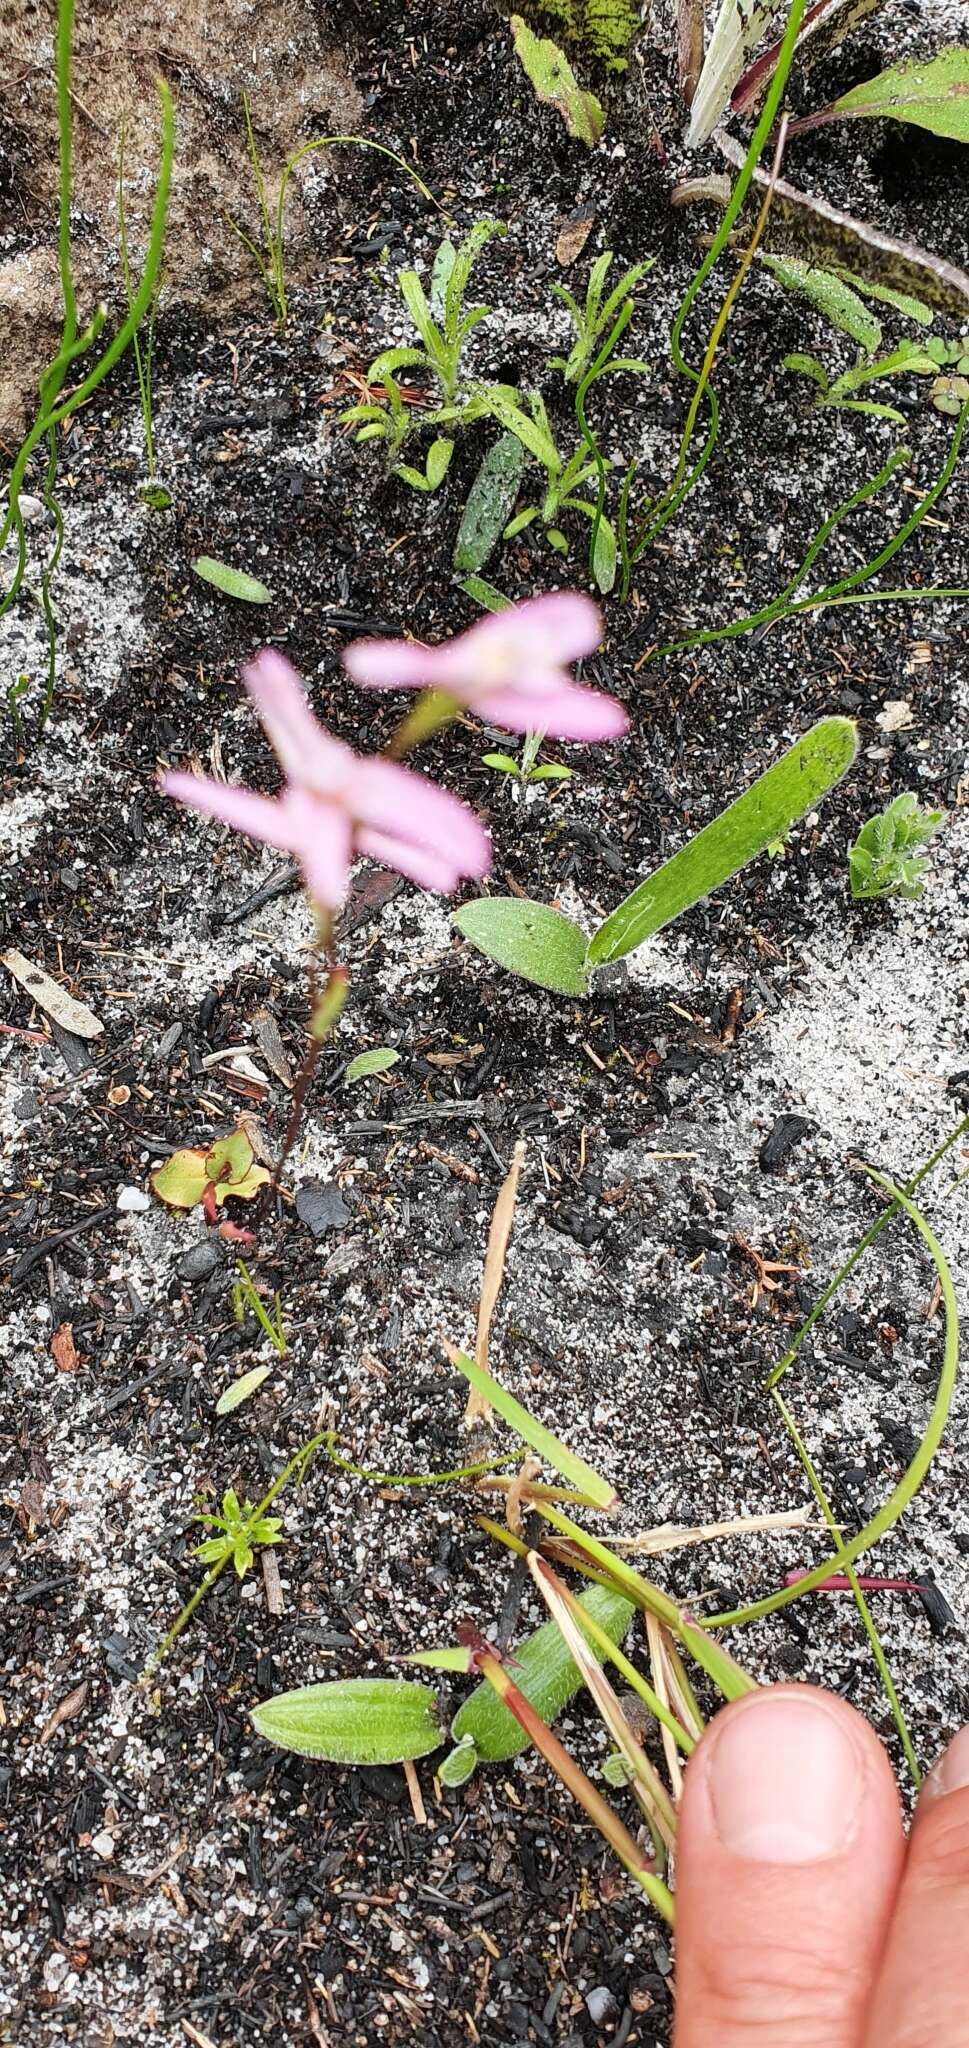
[(170, 1877)]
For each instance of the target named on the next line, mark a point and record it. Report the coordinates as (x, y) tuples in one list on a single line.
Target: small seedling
[(525, 770), (242, 1530), (233, 582), (593, 320), (840, 296), (242, 1389), (194, 1175), (142, 355), (883, 860), (245, 1296), (443, 327)]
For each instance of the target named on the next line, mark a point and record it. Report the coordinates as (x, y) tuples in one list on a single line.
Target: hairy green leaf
[(932, 95), (765, 812), (490, 503), (241, 1389), (530, 939), (830, 296), (233, 582), (378, 1061), (353, 1720)]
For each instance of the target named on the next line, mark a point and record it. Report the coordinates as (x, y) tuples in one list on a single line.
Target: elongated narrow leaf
[(353, 1720), (933, 95), (485, 594), (803, 223), (529, 938), (764, 813), (825, 26), (491, 501), (831, 296), (555, 82), (234, 582), (241, 1389), (549, 1447)]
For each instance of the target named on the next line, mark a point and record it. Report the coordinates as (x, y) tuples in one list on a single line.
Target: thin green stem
[(912, 1478), (888, 1683), (308, 149)]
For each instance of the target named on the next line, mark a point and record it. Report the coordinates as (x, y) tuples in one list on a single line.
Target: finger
[(922, 1995), (789, 1853)]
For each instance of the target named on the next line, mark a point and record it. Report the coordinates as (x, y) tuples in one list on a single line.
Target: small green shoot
[(549, 1447), (246, 1298), (594, 320), (142, 356), (883, 860), (242, 1530), (232, 582), (525, 770)]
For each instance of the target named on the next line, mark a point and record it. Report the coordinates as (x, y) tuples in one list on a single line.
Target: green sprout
[(245, 1296), (593, 320), (525, 769), (242, 1529), (883, 860)]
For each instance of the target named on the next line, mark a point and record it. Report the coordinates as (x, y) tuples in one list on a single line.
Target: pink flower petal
[(390, 664), (568, 713), (305, 750), (538, 635), (428, 870), (392, 799), (322, 840), (262, 817)]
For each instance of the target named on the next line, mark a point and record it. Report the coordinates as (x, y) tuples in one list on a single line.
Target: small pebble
[(103, 1845), (198, 1262), (133, 1200)]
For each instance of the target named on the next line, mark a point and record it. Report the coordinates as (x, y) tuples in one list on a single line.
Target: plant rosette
[(194, 1175)]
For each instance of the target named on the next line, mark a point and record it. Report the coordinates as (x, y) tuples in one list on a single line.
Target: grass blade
[(549, 1447)]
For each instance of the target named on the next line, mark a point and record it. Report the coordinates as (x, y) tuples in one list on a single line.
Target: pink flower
[(336, 803), (510, 668)]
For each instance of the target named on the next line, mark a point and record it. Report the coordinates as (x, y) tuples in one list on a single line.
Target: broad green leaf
[(353, 1720), (555, 83), (830, 296), (244, 1188), (460, 1763), (229, 1158), (233, 582), (505, 762), (378, 1061), (241, 1389), (765, 812), (491, 500), (551, 771), (932, 95), (182, 1181), (529, 938), (549, 1447)]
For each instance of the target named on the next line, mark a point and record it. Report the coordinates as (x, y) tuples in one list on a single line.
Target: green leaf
[(233, 582), (378, 1061), (494, 398), (551, 771), (830, 296), (460, 1763), (485, 594), (230, 1158), (491, 500), (438, 456), (950, 394), (451, 1659), (932, 95), (183, 1179), (557, 539), (529, 938), (241, 1389), (549, 1447), (765, 812), (556, 84), (903, 302), (604, 556), (353, 1720), (440, 274), (505, 762), (808, 366), (521, 520), (155, 497)]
